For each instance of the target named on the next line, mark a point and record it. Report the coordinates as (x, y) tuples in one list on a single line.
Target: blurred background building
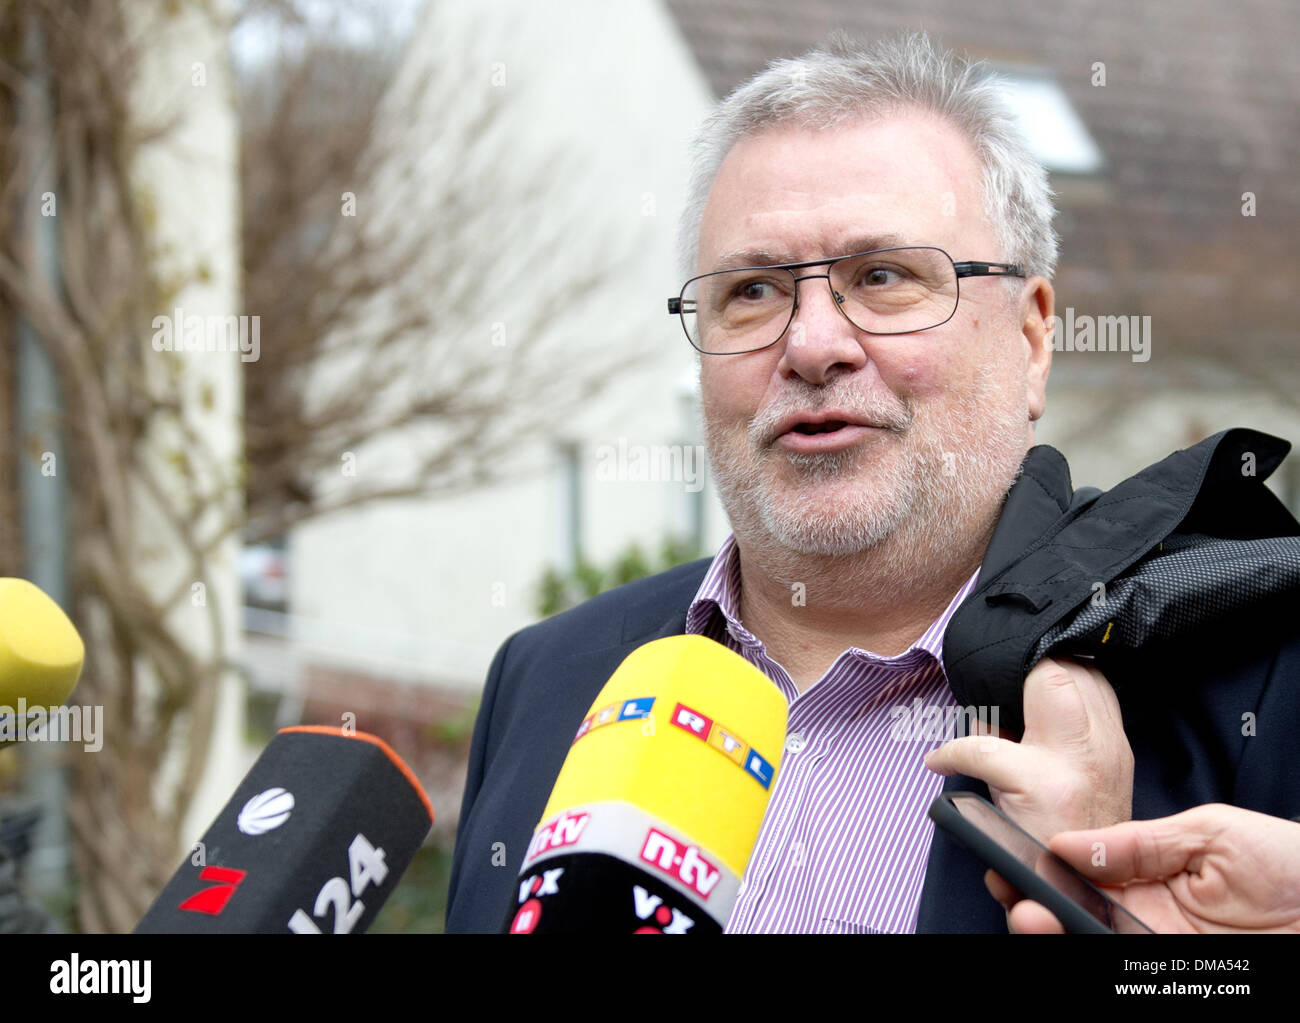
[(457, 223)]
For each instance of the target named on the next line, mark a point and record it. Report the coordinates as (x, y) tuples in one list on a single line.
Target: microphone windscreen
[(40, 652), (314, 840), (670, 775)]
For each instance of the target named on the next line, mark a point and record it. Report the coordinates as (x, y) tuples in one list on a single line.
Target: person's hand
[(1072, 769), (1209, 870)]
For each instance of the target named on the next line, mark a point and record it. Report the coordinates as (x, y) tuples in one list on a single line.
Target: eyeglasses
[(885, 291)]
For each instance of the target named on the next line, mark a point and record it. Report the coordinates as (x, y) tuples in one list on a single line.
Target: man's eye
[(755, 290), (878, 276)]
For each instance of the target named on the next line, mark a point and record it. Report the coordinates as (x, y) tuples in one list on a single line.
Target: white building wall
[(1111, 420), (426, 590), (190, 174)]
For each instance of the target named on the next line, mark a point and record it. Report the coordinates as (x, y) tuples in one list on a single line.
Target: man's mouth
[(824, 436), (828, 427)]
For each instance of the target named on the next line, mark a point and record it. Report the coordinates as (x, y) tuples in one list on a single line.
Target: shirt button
[(794, 743)]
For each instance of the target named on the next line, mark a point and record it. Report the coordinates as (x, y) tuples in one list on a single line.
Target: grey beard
[(960, 473), (826, 531)]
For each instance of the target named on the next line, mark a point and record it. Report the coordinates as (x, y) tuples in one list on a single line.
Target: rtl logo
[(725, 741)]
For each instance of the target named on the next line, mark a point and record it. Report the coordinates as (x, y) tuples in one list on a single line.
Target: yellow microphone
[(655, 813), (40, 654)]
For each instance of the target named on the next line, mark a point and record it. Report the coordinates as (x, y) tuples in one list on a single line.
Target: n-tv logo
[(212, 901), (679, 861), (557, 833)]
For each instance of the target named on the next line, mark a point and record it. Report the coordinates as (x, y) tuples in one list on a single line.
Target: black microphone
[(313, 841)]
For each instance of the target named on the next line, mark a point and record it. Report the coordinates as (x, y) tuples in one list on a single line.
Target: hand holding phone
[(1213, 869), (1030, 867)]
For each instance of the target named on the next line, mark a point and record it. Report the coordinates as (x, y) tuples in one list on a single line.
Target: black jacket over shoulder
[(1183, 582)]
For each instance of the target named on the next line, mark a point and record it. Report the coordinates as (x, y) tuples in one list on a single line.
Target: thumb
[(1055, 711), (1134, 850), (991, 759)]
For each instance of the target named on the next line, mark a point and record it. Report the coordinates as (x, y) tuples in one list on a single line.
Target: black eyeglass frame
[(965, 268)]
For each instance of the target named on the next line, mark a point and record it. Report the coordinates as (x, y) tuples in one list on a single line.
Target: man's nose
[(820, 337)]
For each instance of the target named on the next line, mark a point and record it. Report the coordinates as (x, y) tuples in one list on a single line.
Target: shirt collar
[(720, 591)]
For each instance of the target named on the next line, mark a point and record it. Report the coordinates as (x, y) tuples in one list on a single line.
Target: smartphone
[(1030, 867)]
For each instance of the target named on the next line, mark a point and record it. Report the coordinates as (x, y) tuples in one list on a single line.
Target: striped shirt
[(844, 843)]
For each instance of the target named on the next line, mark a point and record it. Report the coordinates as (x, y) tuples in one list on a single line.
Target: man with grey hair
[(868, 251)]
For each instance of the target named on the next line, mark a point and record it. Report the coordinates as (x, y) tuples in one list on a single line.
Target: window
[(1055, 131)]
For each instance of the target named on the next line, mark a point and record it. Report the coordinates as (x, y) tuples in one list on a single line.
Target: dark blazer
[(1214, 720)]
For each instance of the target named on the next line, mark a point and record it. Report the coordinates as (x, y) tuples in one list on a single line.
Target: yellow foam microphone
[(655, 813), (40, 652)]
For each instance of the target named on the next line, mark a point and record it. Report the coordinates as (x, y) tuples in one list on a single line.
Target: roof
[(1201, 104)]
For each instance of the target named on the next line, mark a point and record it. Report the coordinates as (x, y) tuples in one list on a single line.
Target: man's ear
[(1037, 325)]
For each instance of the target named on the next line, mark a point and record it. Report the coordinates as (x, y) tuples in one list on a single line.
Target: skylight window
[(1055, 131)]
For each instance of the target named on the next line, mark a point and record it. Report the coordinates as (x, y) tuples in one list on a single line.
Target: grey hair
[(842, 83)]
